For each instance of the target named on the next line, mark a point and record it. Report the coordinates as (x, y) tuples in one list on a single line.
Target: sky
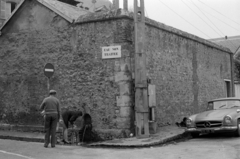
[(207, 19)]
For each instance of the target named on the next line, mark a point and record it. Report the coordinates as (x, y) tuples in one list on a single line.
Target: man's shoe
[(66, 142), (52, 146), (45, 146)]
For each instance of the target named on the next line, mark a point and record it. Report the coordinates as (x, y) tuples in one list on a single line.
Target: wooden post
[(141, 86)]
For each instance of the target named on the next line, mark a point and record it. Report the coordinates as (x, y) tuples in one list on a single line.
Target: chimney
[(125, 4), (116, 4)]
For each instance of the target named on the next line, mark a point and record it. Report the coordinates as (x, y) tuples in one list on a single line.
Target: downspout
[(232, 75)]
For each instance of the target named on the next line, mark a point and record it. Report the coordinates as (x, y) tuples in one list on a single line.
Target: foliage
[(237, 68)]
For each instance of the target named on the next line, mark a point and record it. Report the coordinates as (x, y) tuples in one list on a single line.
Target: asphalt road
[(207, 147)]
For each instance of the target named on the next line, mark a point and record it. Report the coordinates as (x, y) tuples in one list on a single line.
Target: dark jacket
[(70, 116)]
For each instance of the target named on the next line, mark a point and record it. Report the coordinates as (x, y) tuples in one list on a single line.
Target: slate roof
[(68, 12), (64, 9), (232, 42)]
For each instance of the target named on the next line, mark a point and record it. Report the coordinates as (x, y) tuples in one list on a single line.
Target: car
[(222, 115)]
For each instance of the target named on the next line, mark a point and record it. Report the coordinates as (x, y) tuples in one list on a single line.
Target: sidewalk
[(163, 135)]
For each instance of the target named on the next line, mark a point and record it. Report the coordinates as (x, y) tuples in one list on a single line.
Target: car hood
[(214, 114)]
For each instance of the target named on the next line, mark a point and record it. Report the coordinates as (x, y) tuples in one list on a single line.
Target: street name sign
[(111, 52), (48, 70)]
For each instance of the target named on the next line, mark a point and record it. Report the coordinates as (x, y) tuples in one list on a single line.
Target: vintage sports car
[(223, 115)]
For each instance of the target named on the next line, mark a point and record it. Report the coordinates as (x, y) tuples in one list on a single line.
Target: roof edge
[(123, 14), (55, 10), (15, 10), (41, 2)]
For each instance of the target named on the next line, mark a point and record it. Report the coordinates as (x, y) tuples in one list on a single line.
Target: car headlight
[(227, 119), (188, 122)]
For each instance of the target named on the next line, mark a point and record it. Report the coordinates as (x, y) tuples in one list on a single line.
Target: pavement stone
[(164, 134)]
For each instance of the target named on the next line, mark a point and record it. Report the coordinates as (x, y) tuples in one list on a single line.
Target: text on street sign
[(111, 52)]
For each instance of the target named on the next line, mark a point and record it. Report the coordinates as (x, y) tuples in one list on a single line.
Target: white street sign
[(111, 52), (49, 70)]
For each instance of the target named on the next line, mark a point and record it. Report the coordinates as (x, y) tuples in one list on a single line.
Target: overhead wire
[(231, 43), (201, 18), (219, 12), (183, 18), (222, 21), (206, 17)]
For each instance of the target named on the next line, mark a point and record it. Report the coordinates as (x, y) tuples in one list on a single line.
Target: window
[(13, 6)]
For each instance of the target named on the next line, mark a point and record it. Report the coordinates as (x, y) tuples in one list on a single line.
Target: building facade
[(6, 9), (186, 71)]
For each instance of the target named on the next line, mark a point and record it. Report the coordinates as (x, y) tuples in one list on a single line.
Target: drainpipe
[(232, 74)]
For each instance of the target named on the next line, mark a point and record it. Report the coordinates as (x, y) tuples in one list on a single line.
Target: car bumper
[(212, 130)]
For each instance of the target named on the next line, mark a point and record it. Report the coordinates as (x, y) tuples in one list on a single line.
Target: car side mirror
[(238, 110)]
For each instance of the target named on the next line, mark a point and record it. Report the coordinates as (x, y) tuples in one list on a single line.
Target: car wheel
[(238, 128), (195, 135)]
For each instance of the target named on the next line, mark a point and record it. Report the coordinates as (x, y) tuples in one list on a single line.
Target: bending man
[(69, 117)]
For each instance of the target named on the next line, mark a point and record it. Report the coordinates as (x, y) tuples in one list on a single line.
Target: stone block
[(124, 101), (123, 123), (125, 88), (125, 111), (122, 76)]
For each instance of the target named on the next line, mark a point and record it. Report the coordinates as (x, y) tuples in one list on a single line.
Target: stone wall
[(36, 36), (186, 70)]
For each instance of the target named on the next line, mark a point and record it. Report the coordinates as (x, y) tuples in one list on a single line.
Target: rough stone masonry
[(187, 71)]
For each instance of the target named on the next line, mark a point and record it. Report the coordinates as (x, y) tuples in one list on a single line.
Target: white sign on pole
[(111, 52)]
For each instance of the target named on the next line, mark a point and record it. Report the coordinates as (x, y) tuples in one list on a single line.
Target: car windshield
[(226, 104)]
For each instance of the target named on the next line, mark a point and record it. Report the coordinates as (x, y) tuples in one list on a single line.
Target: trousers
[(50, 125)]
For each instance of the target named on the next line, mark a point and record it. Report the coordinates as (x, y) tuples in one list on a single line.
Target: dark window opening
[(228, 88), (13, 6)]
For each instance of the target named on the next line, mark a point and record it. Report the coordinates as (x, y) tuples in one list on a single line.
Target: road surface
[(209, 147)]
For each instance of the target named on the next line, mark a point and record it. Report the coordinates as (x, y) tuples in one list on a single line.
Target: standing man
[(52, 112)]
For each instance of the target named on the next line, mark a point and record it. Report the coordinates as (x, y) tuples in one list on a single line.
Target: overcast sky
[(204, 18)]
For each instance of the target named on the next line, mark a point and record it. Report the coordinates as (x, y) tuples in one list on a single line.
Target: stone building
[(186, 70), (6, 9), (233, 43)]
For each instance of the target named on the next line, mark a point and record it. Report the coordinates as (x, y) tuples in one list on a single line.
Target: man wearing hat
[(52, 112)]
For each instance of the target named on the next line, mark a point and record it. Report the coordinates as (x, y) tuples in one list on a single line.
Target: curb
[(21, 138), (156, 143)]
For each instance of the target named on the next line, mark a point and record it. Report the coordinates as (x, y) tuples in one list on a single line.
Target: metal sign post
[(48, 72), (141, 85)]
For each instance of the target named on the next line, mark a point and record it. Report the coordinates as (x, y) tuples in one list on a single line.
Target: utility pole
[(141, 86)]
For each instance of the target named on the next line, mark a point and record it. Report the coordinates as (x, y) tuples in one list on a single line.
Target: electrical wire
[(219, 12), (222, 21), (230, 42), (201, 18), (207, 17), (183, 18)]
